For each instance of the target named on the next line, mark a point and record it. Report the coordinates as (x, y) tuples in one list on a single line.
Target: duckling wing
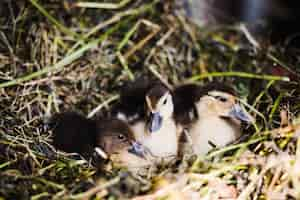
[(185, 97), (73, 132)]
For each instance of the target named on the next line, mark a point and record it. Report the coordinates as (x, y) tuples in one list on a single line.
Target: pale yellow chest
[(212, 129), (162, 143)]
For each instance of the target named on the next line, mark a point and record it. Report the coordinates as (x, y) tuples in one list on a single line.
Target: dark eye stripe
[(220, 98), (165, 101), (223, 99)]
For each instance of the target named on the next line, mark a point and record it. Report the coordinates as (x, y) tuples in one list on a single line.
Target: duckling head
[(160, 107), (224, 105), (114, 137)]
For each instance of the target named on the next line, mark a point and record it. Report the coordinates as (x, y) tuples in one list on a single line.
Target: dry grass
[(57, 56)]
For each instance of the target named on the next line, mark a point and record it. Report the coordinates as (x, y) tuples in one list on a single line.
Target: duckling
[(158, 130), (218, 120), (109, 138), (117, 139)]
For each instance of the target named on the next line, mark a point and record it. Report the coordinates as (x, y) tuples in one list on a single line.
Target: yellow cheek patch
[(211, 106)]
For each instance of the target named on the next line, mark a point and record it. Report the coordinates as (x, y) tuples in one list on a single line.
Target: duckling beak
[(137, 149), (155, 122), (237, 112)]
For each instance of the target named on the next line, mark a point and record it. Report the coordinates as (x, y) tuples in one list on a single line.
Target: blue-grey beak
[(155, 122), (137, 149), (237, 112)]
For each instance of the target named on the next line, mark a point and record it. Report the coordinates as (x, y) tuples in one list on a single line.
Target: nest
[(60, 55)]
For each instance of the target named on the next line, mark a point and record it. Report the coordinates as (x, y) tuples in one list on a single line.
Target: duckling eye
[(121, 137), (220, 98), (165, 101)]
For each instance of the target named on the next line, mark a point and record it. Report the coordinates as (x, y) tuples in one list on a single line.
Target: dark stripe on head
[(216, 86), (156, 92)]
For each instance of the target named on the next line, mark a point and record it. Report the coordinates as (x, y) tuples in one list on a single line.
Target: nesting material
[(55, 57)]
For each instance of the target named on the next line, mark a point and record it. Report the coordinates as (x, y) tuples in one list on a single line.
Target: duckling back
[(73, 132), (131, 106)]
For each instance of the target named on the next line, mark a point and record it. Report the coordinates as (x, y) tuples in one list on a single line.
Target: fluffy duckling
[(218, 120), (117, 139), (109, 138), (158, 130)]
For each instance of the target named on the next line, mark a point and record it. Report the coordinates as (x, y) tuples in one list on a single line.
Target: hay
[(57, 55)]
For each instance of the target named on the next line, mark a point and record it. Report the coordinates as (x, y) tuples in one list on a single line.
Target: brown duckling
[(117, 139), (218, 117), (109, 138), (148, 106), (158, 130)]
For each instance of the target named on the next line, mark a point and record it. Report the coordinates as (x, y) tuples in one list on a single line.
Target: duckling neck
[(161, 143)]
